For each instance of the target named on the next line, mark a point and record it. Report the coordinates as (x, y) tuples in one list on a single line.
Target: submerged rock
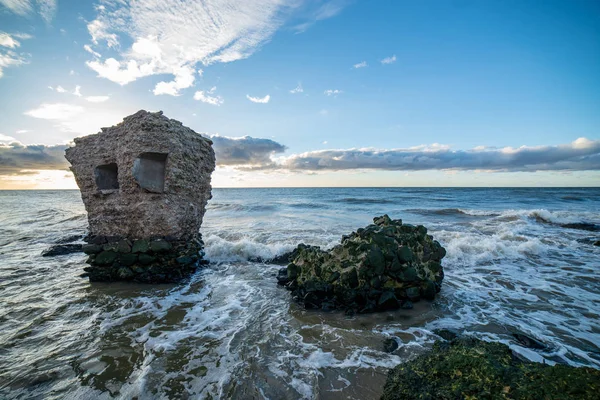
[(384, 266), (468, 368), (62, 249)]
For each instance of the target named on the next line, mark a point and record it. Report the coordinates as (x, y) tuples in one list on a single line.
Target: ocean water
[(519, 260)]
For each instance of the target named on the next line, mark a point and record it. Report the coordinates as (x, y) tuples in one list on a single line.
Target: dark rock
[(123, 246), (140, 246), (125, 273), (282, 277), (413, 294), (446, 334), (61, 249), (185, 260), (387, 301), (584, 226), (69, 239), (469, 368), (105, 257), (528, 341), (146, 259), (597, 243), (407, 305), (128, 259), (390, 345), (379, 267), (159, 246), (91, 248)]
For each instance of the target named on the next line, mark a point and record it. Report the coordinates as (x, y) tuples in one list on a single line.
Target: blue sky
[(393, 93)]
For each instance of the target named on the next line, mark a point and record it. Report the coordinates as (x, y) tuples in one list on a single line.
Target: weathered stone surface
[(384, 266), (145, 183), (119, 204), (467, 368)]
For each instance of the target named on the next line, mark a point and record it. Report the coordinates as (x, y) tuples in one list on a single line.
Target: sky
[(313, 92)]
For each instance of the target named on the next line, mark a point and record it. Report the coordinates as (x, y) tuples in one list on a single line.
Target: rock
[(145, 184), (146, 177), (160, 246), (528, 341), (383, 266), (61, 249), (597, 243), (69, 239), (390, 345), (446, 334), (91, 248), (128, 259), (469, 368), (105, 257), (146, 259), (140, 246), (125, 273)]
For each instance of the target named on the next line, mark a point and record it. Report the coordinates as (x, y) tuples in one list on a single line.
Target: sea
[(519, 261)]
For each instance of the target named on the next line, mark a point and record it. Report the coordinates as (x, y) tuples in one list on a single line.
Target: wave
[(570, 222), (454, 211), (573, 198), (242, 207), (219, 249), (356, 200), (309, 205)]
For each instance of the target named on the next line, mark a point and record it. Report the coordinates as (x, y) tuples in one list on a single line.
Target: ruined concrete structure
[(145, 183)]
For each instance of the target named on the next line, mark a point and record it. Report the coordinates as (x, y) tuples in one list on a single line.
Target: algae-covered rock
[(468, 368), (380, 267)]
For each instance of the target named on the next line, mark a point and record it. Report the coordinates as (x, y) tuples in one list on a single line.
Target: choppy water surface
[(515, 262)]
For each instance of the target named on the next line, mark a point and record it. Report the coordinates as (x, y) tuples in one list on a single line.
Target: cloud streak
[(389, 60), (582, 154), (261, 100), (24, 8), (208, 98)]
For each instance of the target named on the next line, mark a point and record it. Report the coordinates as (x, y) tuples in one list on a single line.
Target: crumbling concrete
[(148, 179)]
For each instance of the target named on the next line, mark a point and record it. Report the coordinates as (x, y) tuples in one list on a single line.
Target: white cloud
[(19, 7), (9, 58), (298, 89), (333, 92), (184, 78), (22, 131), (10, 39), (71, 72), (215, 32), (59, 89), (207, 97), (389, 60), (582, 154), (360, 65), (262, 100), (6, 139), (89, 49), (55, 111), (46, 8), (77, 91), (97, 99), (326, 10)]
